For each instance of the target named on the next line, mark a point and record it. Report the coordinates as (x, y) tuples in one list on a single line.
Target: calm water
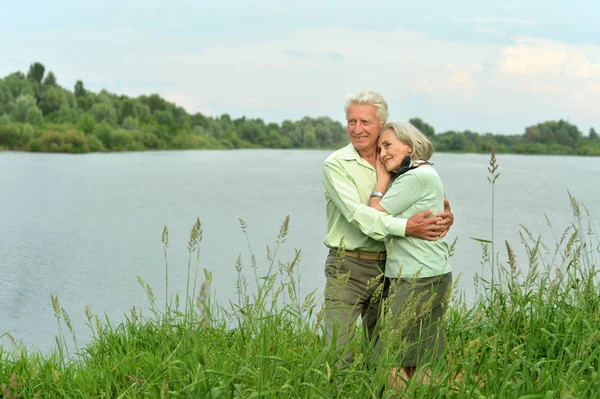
[(83, 227)]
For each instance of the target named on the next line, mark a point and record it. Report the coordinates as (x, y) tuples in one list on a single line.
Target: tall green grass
[(534, 332)]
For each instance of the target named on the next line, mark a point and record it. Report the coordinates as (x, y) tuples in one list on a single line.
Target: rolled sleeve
[(378, 225)]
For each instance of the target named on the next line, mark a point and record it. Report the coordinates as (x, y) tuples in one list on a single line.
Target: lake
[(82, 227)]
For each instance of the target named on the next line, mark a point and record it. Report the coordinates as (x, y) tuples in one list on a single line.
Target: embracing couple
[(388, 262)]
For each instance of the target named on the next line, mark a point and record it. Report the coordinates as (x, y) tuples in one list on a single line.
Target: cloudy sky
[(488, 66)]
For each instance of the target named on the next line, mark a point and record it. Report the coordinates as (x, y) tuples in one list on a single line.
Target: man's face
[(363, 126)]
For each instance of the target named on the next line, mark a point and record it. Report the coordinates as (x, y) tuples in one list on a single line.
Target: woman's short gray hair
[(412, 137), (372, 98)]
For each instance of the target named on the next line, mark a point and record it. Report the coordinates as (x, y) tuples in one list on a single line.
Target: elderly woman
[(419, 270)]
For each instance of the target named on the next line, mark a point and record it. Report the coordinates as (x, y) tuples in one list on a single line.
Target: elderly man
[(356, 260)]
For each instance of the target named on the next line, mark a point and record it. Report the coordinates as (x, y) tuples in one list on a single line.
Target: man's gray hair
[(372, 98), (412, 137)]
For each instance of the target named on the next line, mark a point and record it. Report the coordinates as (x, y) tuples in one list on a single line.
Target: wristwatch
[(377, 194)]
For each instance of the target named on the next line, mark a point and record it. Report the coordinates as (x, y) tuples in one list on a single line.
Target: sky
[(486, 66)]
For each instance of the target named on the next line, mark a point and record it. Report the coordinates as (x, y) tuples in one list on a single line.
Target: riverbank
[(533, 331)]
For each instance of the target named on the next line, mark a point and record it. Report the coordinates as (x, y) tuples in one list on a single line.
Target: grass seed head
[(165, 237)]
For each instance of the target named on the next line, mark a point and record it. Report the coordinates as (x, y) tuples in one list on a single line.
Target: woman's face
[(391, 150)]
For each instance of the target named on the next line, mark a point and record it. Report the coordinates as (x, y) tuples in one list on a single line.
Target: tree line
[(37, 114)]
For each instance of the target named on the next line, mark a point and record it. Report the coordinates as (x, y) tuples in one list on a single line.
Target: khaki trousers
[(354, 287)]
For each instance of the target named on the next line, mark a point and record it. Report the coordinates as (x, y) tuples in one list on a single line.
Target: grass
[(534, 332)]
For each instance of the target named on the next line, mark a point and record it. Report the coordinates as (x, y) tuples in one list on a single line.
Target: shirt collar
[(349, 153)]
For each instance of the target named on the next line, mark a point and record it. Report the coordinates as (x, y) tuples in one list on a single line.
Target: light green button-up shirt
[(348, 181)]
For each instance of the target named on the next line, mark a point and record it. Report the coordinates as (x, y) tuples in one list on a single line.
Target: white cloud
[(540, 58), (564, 76), (455, 80)]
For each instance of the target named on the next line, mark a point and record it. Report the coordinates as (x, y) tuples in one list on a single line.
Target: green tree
[(103, 131), (36, 72), (531, 135), (93, 143), (19, 85), (79, 90), (5, 98), (323, 135), (224, 121), (27, 133), (21, 106), (34, 116), (50, 79), (86, 123), (9, 136), (104, 112), (66, 114), (297, 136), (154, 102), (128, 109), (142, 111), (52, 99), (75, 142), (310, 138), (130, 123), (593, 135), (164, 117), (122, 140), (423, 127)]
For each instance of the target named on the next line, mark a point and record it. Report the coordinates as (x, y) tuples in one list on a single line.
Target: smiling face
[(391, 150), (363, 126)]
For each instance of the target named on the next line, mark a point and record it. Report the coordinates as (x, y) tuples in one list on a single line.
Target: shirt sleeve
[(403, 193), (340, 188)]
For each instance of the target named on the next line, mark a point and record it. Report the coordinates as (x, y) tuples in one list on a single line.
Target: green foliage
[(5, 98), (35, 146), (52, 99), (21, 106), (164, 117), (104, 112), (589, 147), (51, 141), (86, 123), (93, 143), (75, 142), (148, 140), (187, 141), (561, 132), (130, 123), (27, 133), (34, 116), (121, 140), (65, 115), (79, 90), (70, 141), (155, 123), (424, 127), (154, 102), (104, 132), (36, 72), (50, 79), (310, 138), (9, 136)]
